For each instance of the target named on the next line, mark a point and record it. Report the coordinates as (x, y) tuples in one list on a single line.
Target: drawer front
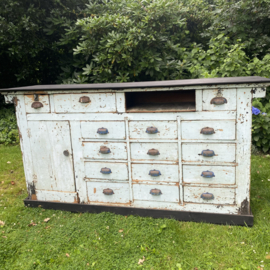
[(40, 106), (92, 150), (71, 103), (93, 130), (168, 193), (165, 130), (95, 170), (220, 195), (167, 151), (221, 174), (96, 192), (191, 152), (229, 95), (141, 172), (197, 130)]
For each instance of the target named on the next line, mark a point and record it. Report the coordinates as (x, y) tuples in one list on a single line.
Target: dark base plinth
[(243, 220)]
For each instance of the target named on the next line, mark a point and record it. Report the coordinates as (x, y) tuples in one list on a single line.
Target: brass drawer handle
[(102, 131), (207, 153), (106, 170), (207, 196), (153, 152), (104, 150), (37, 105), (154, 173), (84, 99), (218, 101), (207, 131), (152, 130), (207, 174), (155, 192), (108, 191)]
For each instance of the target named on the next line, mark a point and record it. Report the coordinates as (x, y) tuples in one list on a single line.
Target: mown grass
[(108, 241)]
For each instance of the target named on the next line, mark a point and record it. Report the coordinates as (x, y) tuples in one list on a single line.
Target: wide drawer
[(150, 172), (73, 103), (192, 152), (203, 130), (143, 192), (97, 192), (39, 105), (106, 170), (103, 130), (153, 129), (164, 151), (93, 150), (209, 195), (209, 174)]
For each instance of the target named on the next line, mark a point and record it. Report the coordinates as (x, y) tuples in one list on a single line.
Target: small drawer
[(154, 151), (106, 170), (161, 193), (73, 103), (208, 130), (219, 100), (195, 152), (103, 130), (155, 172), (37, 103), (153, 129), (99, 150), (209, 195), (108, 192), (208, 174)]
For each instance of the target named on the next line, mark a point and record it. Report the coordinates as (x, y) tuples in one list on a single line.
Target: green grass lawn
[(108, 241)]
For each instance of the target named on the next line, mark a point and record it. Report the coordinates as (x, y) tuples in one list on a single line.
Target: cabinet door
[(52, 159)]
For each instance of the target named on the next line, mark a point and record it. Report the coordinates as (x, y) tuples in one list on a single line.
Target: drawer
[(92, 130), (117, 171), (40, 106), (191, 152), (116, 150), (162, 130), (196, 130), (220, 195), (96, 191), (222, 175), (97, 103), (167, 151), (168, 193), (209, 95), (141, 172)]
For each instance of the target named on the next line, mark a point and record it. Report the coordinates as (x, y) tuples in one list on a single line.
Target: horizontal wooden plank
[(56, 196)]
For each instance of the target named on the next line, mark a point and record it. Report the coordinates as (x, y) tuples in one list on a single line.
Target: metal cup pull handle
[(66, 153), (208, 153), (104, 150), (102, 131), (207, 196), (84, 99), (151, 130), (207, 174), (108, 191), (155, 192), (106, 170), (207, 131), (218, 101), (37, 105), (153, 152), (154, 173)]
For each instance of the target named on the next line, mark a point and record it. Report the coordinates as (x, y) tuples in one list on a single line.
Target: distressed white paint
[(166, 129), (223, 174), (95, 192), (224, 152), (259, 92), (119, 170), (224, 130), (56, 196), (116, 130), (44, 99), (168, 151), (118, 150), (9, 99), (169, 173), (221, 195), (69, 103), (230, 95), (199, 100), (120, 102), (169, 193)]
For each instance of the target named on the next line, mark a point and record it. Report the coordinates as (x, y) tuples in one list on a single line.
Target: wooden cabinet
[(165, 149)]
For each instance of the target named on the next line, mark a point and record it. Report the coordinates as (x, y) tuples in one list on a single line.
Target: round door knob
[(66, 153)]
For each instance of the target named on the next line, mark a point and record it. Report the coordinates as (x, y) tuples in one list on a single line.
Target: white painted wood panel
[(169, 193), (168, 151), (230, 95), (119, 170), (169, 173), (118, 150), (69, 103), (55, 196), (44, 99), (167, 129), (95, 192), (224, 130), (223, 174), (221, 195), (120, 102), (51, 168), (224, 152), (259, 92), (116, 130), (199, 100)]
